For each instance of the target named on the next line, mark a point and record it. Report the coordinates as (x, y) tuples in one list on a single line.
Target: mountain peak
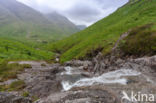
[(63, 22), (27, 21)]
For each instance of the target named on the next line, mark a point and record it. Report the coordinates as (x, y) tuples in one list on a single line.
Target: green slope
[(140, 41), (14, 50), (102, 35), (19, 21), (62, 22)]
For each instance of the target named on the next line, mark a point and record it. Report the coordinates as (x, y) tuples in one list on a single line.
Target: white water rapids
[(118, 76)]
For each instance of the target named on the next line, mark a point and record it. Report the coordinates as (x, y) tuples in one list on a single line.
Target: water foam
[(114, 77)]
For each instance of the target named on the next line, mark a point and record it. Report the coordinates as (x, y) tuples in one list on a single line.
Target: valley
[(46, 58), (102, 36), (24, 31)]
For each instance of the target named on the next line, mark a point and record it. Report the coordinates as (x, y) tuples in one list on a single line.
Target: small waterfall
[(118, 76), (68, 71)]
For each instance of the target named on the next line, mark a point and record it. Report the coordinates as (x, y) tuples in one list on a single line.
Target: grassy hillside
[(62, 23), (102, 35), (140, 41), (24, 31), (20, 21), (14, 50)]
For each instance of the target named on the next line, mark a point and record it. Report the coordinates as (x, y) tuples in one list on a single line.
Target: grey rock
[(10, 98), (78, 63)]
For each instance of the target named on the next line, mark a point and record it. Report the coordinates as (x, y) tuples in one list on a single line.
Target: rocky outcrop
[(121, 38), (10, 98), (149, 61), (77, 63), (50, 83), (117, 59), (90, 95), (41, 80), (111, 63)]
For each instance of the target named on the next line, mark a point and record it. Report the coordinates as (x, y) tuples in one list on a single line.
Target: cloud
[(78, 11), (83, 12)]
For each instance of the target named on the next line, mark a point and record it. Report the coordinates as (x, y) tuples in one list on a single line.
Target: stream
[(73, 83), (75, 79)]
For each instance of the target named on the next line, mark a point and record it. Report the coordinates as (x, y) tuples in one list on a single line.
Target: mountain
[(102, 36), (62, 22), (81, 27), (20, 21)]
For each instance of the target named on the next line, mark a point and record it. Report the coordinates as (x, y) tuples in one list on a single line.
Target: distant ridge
[(62, 22), (20, 21)]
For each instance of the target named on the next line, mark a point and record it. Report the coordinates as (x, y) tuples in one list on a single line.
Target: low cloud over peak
[(80, 12)]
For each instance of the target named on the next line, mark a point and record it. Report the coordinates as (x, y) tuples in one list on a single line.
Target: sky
[(80, 12)]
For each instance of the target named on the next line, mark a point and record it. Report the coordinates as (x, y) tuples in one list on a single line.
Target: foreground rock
[(42, 80), (104, 80), (10, 98), (82, 96)]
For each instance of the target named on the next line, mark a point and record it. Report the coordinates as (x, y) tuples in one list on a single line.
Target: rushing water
[(118, 76)]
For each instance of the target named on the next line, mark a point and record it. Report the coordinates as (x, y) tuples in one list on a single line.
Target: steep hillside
[(140, 41), (62, 22), (102, 35), (14, 50), (20, 21)]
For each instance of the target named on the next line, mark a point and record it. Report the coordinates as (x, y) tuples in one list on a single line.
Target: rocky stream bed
[(97, 81)]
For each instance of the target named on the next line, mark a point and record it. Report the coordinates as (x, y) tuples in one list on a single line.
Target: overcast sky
[(78, 11)]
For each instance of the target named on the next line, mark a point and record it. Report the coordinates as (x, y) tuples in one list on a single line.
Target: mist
[(84, 12)]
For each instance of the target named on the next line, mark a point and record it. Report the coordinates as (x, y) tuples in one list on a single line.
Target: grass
[(43, 64), (22, 36), (15, 86), (10, 71), (11, 49), (25, 94), (102, 36), (26, 66), (140, 41)]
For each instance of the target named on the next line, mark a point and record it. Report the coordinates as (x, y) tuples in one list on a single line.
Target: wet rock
[(55, 71), (45, 82), (149, 61), (153, 67), (119, 61), (9, 98), (88, 75), (41, 81), (77, 63), (82, 100), (132, 80), (82, 96), (45, 88), (21, 100)]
